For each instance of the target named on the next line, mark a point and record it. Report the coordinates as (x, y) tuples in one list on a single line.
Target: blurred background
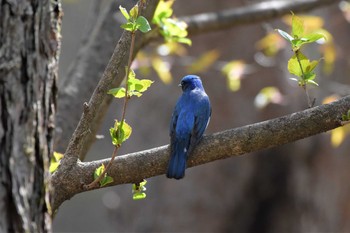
[(299, 187)]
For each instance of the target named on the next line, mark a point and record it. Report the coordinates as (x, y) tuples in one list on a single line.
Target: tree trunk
[(29, 45)]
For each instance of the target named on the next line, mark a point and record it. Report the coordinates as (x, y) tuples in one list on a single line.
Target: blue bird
[(188, 123)]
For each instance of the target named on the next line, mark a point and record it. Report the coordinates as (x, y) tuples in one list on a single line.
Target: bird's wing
[(200, 123)]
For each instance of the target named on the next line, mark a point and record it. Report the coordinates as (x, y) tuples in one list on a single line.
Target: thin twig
[(126, 98), (310, 103)]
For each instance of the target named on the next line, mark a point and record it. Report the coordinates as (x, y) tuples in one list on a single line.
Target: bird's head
[(191, 82)]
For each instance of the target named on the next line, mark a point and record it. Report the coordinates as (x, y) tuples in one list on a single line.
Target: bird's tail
[(177, 163)]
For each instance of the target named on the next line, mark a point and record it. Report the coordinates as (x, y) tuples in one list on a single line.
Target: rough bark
[(29, 45)]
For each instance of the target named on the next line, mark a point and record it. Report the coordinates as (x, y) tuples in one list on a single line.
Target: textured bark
[(29, 45)]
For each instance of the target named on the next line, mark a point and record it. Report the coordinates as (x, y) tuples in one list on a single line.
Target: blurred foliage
[(172, 29), (344, 6), (268, 95), (270, 44), (204, 62), (233, 72)]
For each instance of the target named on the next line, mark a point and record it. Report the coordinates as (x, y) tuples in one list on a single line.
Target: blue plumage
[(188, 123)]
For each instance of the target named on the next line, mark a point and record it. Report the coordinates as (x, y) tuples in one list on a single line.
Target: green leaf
[(311, 66), (309, 76), (117, 92), (184, 40), (129, 26), (139, 196), (163, 10), (134, 12), (312, 37), (142, 24), (298, 65), (132, 74), (106, 179), (294, 67), (98, 171), (297, 26), (138, 190), (312, 82), (120, 132), (137, 86), (124, 12), (285, 35)]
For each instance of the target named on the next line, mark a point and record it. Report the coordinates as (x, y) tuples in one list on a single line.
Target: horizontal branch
[(214, 21), (131, 168)]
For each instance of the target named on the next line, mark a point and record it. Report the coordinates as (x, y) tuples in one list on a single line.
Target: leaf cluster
[(134, 21), (120, 132), (138, 190), (136, 87), (172, 29), (106, 178), (299, 65)]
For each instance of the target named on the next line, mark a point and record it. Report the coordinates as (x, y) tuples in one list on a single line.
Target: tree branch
[(85, 72), (215, 21), (134, 167), (84, 134), (76, 88)]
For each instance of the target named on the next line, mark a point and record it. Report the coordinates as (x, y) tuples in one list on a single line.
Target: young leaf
[(98, 171), (139, 196), (129, 26), (144, 85), (117, 92), (297, 65), (294, 67), (106, 179), (132, 74), (285, 35), (297, 26), (311, 66), (142, 24), (184, 40), (162, 11), (138, 190), (134, 12), (124, 12), (120, 132), (312, 37), (312, 82)]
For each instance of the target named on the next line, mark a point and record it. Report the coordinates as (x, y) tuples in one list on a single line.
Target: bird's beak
[(179, 85)]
